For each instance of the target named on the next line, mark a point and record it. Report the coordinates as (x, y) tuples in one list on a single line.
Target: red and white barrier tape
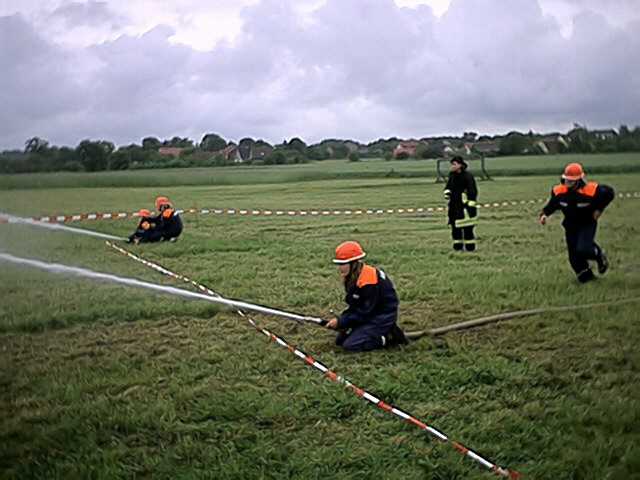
[(251, 212), (331, 375)]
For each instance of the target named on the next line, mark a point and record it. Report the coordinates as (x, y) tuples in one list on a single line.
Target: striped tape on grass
[(327, 212), (330, 374)]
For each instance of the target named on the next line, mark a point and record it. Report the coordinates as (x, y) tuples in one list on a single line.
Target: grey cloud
[(83, 14), (619, 12), (356, 69), (37, 84)]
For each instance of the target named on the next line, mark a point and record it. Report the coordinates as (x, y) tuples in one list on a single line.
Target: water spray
[(132, 282), (333, 376), (6, 218)]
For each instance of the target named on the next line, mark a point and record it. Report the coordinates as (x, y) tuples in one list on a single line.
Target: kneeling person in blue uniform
[(166, 225), (169, 221), (370, 321), (147, 230)]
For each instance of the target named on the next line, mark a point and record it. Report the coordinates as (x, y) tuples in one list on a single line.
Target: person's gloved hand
[(447, 194), (332, 324)]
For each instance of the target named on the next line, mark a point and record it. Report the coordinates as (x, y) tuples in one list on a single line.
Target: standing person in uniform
[(370, 320), (462, 194), (169, 222), (582, 203)]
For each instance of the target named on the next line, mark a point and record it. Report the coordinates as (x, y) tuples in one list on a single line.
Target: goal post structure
[(477, 166)]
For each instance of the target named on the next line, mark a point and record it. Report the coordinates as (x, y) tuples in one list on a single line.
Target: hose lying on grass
[(434, 332), (333, 376)]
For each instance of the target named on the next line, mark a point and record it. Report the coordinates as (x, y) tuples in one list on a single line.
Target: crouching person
[(370, 321), (169, 221), (147, 230)]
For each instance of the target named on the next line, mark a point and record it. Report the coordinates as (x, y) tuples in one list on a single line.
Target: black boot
[(586, 276), (396, 337), (603, 263)]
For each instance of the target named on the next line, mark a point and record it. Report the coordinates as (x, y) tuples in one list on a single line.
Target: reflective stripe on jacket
[(463, 195)]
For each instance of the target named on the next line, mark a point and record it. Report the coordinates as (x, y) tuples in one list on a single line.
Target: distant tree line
[(214, 151), (578, 140)]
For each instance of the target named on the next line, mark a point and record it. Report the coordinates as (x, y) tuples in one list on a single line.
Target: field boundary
[(251, 175), (263, 212)]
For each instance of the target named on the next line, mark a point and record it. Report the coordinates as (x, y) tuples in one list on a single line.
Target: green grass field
[(101, 381), (311, 172)]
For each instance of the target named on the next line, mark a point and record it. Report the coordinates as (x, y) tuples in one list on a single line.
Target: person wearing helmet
[(461, 193), (147, 230), (169, 221), (582, 204), (370, 320)]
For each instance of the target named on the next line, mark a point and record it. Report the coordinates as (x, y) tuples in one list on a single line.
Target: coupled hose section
[(478, 322)]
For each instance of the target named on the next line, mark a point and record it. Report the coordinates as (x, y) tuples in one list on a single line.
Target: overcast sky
[(121, 70)]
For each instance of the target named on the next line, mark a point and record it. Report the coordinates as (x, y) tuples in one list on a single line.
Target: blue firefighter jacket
[(579, 204), (372, 302)]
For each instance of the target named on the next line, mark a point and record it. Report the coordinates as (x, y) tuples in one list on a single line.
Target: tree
[(317, 153), (120, 160), (178, 142), (515, 143), (581, 141), (219, 160), (627, 141), (431, 150), (67, 159), (244, 147), (298, 145), (340, 151), (469, 136), (94, 156), (151, 143), (212, 142), (36, 145), (354, 157), (277, 157)]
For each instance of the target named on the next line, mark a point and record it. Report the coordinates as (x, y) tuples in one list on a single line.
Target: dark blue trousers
[(364, 337), (582, 247)]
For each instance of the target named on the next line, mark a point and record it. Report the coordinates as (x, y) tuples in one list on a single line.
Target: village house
[(170, 151), (259, 152), (487, 147), (407, 148), (552, 144), (230, 153), (607, 134)]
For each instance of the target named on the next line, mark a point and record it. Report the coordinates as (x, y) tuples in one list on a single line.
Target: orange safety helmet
[(162, 201), (348, 252), (144, 213), (573, 172)]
